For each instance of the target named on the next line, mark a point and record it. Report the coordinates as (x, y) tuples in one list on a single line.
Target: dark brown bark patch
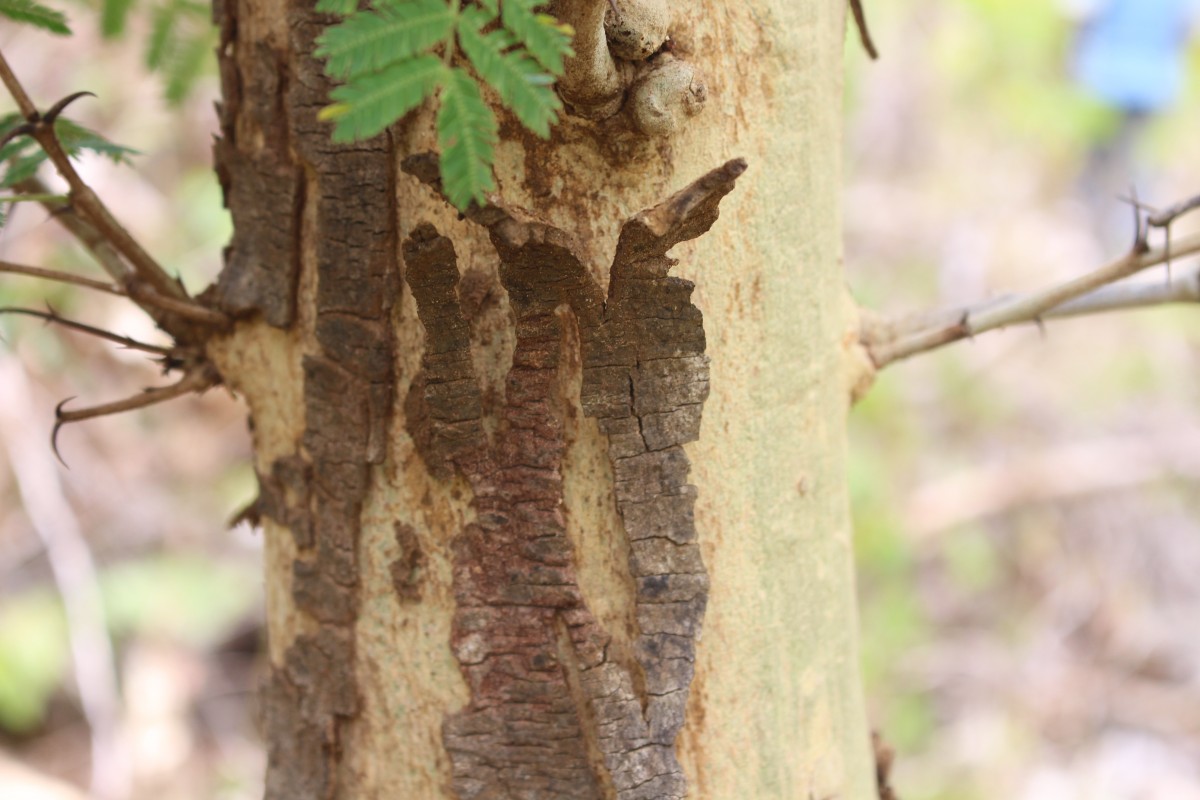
[(551, 714), (406, 570), (298, 199)]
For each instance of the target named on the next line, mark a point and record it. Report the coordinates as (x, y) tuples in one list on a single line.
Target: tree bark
[(541, 520)]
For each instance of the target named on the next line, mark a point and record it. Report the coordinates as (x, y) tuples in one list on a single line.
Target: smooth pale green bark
[(776, 709)]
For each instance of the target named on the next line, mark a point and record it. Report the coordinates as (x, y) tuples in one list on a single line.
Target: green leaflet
[(396, 55), (33, 13), (467, 137), (113, 15), (21, 157), (517, 78), (339, 7), (541, 34), (371, 40), (370, 103)]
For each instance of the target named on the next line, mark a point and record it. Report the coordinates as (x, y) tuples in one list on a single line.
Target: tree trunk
[(505, 557)]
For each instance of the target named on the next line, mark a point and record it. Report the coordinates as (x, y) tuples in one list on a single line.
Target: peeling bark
[(551, 714), (274, 156)]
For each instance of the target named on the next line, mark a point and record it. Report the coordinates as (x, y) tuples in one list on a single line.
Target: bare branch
[(200, 379), (132, 344), (81, 229), (61, 277), (893, 341), (864, 34), (82, 197)]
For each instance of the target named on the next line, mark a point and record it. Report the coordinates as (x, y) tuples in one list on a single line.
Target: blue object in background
[(1131, 53)]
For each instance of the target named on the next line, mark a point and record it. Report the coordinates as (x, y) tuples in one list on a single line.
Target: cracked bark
[(533, 654), (430, 481), (273, 156)]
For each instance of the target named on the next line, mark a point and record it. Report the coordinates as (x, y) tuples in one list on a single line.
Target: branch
[(199, 379), (111, 261), (132, 344), (81, 229), (61, 277), (864, 34), (893, 341), (41, 128)]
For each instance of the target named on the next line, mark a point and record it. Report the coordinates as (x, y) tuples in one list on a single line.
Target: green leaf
[(521, 83), (182, 70), (369, 103), (22, 156), (36, 14), (467, 138), (396, 31), (113, 15), (542, 35), (76, 138), (339, 7), (162, 35)]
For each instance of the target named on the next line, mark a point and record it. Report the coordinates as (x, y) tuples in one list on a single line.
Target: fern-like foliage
[(21, 157), (396, 55), (34, 13)]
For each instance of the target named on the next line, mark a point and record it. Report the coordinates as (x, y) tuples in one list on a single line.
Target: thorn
[(58, 423), (52, 114), (25, 129), (1041, 326)]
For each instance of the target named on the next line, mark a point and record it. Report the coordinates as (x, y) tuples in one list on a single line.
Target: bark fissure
[(644, 377)]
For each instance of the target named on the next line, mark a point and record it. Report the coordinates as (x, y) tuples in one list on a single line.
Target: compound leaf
[(467, 136), (522, 84), (369, 103), (543, 36), (33, 13), (396, 31)]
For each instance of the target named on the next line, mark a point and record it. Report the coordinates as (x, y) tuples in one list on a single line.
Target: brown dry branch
[(864, 34), (890, 341), (195, 380), (135, 274)]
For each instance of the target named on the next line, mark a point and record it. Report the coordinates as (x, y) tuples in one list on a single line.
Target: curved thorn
[(24, 129), (58, 423), (56, 109)]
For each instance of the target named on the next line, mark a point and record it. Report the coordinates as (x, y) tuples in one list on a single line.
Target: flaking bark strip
[(645, 378), (407, 569), (262, 183), (280, 171)]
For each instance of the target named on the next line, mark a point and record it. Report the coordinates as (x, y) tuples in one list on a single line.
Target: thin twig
[(894, 341), (199, 379), (113, 264), (82, 196), (1163, 218), (61, 277), (52, 316), (81, 229), (864, 34)]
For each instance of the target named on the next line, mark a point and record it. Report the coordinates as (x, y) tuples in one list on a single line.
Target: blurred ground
[(1027, 520)]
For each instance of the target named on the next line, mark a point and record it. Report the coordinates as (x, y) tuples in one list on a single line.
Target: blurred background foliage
[(1025, 509), (1027, 523)]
